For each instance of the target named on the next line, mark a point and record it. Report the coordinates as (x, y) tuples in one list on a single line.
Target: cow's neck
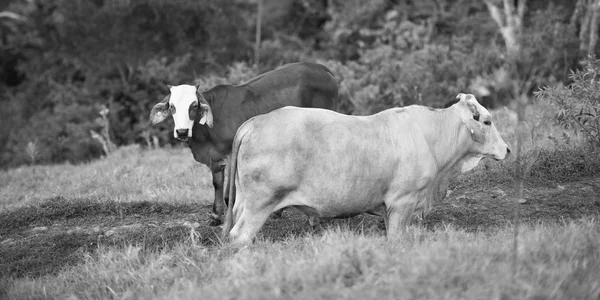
[(448, 141)]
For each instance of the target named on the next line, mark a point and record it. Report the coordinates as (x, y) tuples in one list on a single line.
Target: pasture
[(133, 226)]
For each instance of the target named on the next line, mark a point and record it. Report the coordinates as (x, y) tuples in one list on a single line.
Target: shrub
[(578, 103)]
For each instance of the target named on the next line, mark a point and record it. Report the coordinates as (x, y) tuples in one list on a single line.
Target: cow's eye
[(194, 104), (488, 123), (476, 117), (172, 109)]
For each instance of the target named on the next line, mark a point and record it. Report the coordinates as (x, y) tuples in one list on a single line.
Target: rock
[(498, 193), (191, 225), (522, 201), (560, 187)]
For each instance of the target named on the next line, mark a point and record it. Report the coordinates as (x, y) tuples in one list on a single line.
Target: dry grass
[(129, 174), (556, 262)]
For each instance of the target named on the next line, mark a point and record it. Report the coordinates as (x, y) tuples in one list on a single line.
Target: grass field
[(133, 226)]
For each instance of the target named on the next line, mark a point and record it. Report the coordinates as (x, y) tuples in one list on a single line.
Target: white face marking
[(182, 96)]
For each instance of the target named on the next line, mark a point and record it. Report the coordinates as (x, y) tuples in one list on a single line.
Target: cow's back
[(302, 84)]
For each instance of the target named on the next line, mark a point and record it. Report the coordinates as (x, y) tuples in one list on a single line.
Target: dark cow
[(208, 120)]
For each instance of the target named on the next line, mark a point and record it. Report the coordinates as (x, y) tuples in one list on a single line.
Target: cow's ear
[(160, 111), (471, 103), (476, 130), (206, 116), (472, 121)]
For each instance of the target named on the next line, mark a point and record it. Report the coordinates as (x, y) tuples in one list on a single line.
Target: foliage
[(550, 47), (432, 75), (74, 57), (578, 104), (62, 60)]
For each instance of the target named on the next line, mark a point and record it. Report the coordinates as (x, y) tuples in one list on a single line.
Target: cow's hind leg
[(248, 224), (253, 205), (218, 204)]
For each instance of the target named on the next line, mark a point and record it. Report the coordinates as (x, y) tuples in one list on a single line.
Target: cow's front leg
[(399, 213), (218, 205)]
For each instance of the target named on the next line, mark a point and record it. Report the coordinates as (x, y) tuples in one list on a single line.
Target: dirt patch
[(44, 238), (484, 208), (41, 239)]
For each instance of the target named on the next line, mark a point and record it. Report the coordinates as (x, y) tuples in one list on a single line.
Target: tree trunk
[(258, 29), (593, 28), (510, 21), (586, 16)]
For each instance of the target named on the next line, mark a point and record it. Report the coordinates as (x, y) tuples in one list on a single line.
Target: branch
[(11, 15), (589, 133), (593, 27), (122, 76), (495, 13), (580, 8), (521, 8), (509, 12), (521, 12)]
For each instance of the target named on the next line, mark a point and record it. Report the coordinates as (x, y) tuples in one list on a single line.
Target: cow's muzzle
[(182, 134), (506, 155)]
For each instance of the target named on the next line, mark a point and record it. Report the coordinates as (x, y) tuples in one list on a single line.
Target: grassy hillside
[(130, 174), (555, 262), (132, 226)]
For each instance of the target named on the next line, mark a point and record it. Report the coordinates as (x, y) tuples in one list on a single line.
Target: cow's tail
[(230, 189)]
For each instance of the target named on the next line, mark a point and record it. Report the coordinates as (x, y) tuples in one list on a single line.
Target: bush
[(564, 164), (578, 103)]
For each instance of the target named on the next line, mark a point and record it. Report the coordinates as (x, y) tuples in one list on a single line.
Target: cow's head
[(478, 121), (186, 104)]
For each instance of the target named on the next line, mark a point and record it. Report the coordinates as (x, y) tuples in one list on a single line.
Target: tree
[(586, 16), (510, 20)]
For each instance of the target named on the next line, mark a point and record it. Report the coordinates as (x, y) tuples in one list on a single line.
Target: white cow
[(331, 165)]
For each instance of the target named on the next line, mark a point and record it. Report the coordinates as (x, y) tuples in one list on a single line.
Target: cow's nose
[(182, 132), (507, 151)]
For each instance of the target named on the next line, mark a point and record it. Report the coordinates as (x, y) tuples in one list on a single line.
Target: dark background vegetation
[(62, 60)]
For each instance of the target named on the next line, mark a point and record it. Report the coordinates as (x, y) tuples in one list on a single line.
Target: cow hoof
[(214, 222)]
